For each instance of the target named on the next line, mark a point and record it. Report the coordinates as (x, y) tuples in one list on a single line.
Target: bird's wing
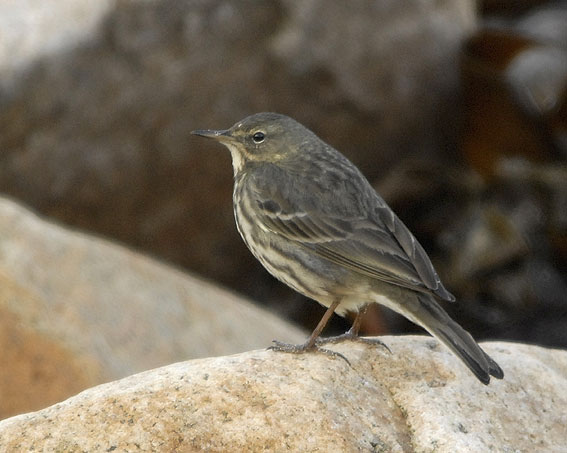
[(375, 243)]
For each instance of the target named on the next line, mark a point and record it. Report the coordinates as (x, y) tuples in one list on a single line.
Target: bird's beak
[(220, 136)]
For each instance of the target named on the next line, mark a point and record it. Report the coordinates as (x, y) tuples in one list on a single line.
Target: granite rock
[(417, 399)]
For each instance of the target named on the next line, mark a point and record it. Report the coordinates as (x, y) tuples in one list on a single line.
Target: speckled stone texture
[(417, 399)]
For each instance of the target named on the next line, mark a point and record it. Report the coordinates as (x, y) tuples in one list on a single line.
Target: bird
[(315, 223)]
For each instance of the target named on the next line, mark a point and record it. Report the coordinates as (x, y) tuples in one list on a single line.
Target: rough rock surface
[(94, 128), (417, 399), (76, 311)]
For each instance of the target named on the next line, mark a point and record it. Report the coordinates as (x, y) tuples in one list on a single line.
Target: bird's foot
[(305, 347), (352, 337)]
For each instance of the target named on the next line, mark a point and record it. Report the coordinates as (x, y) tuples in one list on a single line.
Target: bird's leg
[(312, 342), (352, 333)]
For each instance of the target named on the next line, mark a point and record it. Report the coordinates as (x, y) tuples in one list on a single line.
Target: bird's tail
[(429, 314)]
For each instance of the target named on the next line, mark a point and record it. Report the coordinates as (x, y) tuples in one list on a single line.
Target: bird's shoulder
[(323, 187)]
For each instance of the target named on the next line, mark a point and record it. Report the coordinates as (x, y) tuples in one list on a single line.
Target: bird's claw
[(306, 347)]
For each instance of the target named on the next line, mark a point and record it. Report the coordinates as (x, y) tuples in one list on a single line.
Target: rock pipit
[(315, 223)]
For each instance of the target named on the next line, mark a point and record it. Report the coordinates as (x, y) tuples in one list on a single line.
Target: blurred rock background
[(455, 110), (76, 311)]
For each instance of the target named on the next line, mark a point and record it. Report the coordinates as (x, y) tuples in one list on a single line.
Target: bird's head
[(263, 137)]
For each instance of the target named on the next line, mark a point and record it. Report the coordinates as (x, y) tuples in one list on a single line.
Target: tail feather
[(437, 322)]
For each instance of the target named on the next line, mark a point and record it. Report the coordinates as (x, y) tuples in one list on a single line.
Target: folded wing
[(374, 243)]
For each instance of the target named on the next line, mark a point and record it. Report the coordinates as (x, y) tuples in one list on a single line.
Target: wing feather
[(373, 241)]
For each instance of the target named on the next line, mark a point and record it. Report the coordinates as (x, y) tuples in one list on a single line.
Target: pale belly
[(306, 273)]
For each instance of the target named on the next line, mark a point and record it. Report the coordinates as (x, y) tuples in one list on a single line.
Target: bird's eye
[(258, 137)]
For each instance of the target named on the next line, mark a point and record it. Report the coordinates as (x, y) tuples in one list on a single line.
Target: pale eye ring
[(258, 137)]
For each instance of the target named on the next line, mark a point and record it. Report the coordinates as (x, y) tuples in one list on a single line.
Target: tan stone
[(36, 371), (76, 311), (420, 398)]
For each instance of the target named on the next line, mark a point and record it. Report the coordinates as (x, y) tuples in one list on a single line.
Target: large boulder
[(76, 311), (420, 398)]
